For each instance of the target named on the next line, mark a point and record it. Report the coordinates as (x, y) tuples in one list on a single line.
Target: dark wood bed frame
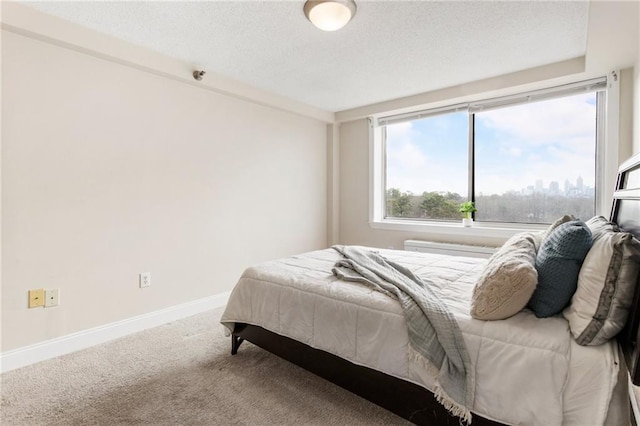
[(414, 402), (625, 211)]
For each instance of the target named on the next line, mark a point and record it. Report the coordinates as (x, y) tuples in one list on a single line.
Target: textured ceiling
[(390, 49)]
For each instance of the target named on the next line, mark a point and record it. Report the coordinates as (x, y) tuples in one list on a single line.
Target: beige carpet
[(178, 374)]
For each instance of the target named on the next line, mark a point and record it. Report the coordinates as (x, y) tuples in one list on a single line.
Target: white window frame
[(606, 167)]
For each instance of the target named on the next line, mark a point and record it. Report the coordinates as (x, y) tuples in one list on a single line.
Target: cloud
[(514, 151), (415, 160), (543, 122), (551, 140), (402, 151)]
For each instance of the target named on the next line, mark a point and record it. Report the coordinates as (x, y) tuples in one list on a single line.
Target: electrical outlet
[(36, 298), (52, 297), (145, 279)]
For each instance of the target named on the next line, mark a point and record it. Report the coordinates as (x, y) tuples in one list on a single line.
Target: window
[(427, 166), (523, 159)]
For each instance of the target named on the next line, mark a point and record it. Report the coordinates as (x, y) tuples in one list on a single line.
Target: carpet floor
[(180, 373)]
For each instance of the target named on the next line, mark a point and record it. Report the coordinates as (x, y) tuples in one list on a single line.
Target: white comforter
[(528, 370)]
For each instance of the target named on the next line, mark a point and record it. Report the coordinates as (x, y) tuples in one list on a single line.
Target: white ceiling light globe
[(329, 15)]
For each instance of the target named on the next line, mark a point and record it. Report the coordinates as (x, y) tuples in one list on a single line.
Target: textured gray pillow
[(564, 219), (558, 263), (607, 281), (540, 236), (507, 281)]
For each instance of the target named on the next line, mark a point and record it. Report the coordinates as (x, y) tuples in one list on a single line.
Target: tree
[(435, 206), (398, 203)]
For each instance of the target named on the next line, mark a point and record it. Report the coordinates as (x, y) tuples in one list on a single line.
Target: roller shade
[(489, 104)]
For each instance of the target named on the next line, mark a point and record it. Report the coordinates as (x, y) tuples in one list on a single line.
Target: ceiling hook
[(198, 75)]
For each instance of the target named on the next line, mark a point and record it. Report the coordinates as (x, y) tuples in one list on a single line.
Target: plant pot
[(467, 222)]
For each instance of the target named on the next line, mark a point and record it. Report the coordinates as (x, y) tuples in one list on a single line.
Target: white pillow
[(507, 281), (606, 284)]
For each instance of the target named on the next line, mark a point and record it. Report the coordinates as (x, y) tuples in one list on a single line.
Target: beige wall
[(612, 45), (109, 171), (625, 131)]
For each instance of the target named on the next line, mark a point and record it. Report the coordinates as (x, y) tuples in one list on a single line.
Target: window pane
[(536, 161), (427, 167)]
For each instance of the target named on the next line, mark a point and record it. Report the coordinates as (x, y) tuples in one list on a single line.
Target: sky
[(552, 140)]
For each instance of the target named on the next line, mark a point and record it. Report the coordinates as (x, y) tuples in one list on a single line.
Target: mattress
[(527, 370)]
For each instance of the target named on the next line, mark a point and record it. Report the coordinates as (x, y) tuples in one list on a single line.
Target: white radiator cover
[(448, 248)]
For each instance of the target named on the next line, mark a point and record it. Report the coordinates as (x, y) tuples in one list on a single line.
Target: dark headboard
[(625, 211)]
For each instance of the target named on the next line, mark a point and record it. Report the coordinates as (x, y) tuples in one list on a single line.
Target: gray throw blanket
[(434, 335)]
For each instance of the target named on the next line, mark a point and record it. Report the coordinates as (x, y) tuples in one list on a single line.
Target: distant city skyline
[(568, 189)]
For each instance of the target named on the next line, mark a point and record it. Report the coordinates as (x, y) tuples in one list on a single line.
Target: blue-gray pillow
[(558, 264)]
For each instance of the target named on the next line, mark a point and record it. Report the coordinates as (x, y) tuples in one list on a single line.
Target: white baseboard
[(31, 354)]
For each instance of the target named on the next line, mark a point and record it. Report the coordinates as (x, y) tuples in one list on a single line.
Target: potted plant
[(467, 208)]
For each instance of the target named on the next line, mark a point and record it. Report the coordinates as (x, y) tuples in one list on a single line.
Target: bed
[(526, 370)]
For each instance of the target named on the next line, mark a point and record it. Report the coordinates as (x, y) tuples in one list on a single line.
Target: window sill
[(479, 229)]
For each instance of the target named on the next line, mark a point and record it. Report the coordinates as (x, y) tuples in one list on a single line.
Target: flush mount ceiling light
[(329, 15)]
